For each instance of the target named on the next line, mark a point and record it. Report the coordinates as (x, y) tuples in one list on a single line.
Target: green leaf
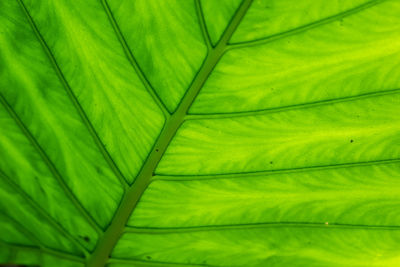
[(200, 133)]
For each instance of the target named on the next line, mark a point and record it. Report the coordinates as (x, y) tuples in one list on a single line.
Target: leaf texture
[(200, 133)]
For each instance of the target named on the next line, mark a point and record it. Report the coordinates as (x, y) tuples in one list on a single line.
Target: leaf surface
[(200, 133)]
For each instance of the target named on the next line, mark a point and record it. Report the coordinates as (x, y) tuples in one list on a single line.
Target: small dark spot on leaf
[(148, 257), (271, 162), (351, 141), (86, 238), (156, 149), (98, 170)]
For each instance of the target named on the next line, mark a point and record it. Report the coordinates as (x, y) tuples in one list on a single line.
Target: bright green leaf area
[(200, 133)]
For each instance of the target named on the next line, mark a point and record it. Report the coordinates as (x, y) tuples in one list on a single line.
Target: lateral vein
[(22, 229), (155, 231), (44, 250), (141, 263), (270, 172), (203, 26), (75, 101), (290, 107), (133, 62), (43, 213), (50, 165), (306, 27)]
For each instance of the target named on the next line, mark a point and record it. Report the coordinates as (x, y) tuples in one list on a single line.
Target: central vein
[(106, 243)]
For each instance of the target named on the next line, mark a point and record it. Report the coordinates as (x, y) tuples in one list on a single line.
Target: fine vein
[(49, 164), (130, 199), (74, 100)]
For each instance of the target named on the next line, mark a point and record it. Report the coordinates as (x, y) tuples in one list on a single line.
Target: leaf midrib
[(106, 243)]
